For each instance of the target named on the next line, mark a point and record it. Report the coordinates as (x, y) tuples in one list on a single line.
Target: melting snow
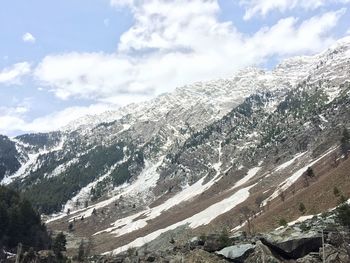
[(127, 224), (288, 163), (202, 218), (61, 168), (251, 173), (146, 180), (300, 219), (23, 171), (292, 179)]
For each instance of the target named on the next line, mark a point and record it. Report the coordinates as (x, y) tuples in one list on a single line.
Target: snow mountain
[(188, 159)]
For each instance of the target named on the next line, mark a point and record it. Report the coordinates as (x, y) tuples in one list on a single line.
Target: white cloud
[(173, 43), (263, 7), (28, 37), (13, 74), (12, 120)]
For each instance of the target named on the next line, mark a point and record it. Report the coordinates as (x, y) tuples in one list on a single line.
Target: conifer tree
[(345, 143)]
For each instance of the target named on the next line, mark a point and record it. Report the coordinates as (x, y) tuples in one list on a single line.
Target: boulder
[(311, 258), (213, 243), (335, 238), (151, 258), (293, 244), (199, 255), (236, 252), (195, 243), (335, 254), (261, 254)]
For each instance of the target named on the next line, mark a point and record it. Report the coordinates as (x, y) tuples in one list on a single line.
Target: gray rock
[(236, 252), (293, 244), (213, 243), (335, 255), (310, 259), (261, 254)]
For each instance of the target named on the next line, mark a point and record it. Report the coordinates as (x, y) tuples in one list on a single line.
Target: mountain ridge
[(165, 165)]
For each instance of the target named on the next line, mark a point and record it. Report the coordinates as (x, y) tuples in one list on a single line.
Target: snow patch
[(288, 163), (145, 181), (129, 224), (251, 173), (295, 176), (202, 218)]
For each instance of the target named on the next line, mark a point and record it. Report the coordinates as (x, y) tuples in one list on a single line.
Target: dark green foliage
[(81, 252), (8, 157), (70, 227), (40, 140), (343, 214), (121, 174), (224, 238), (301, 102), (19, 222), (49, 194), (336, 191), (59, 245), (342, 199), (304, 227), (310, 172), (345, 143), (282, 222), (302, 208)]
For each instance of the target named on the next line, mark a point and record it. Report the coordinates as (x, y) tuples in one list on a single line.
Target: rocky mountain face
[(9, 157), (183, 160)]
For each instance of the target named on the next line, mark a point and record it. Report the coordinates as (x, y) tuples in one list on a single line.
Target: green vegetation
[(304, 227), (8, 153), (336, 191), (224, 238), (310, 172), (343, 214), (283, 222), (20, 223), (302, 208), (59, 245), (50, 193), (41, 140), (345, 143)]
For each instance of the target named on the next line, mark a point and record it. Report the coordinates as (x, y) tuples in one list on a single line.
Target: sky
[(61, 60)]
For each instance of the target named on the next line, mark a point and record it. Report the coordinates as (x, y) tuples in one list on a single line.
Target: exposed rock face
[(295, 247), (213, 243), (202, 256), (237, 252), (336, 254), (309, 259), (261, 254)]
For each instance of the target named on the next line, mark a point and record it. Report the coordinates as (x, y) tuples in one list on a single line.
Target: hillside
[(196, 160)]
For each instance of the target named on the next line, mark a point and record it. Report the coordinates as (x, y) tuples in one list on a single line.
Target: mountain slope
[(188, 158)]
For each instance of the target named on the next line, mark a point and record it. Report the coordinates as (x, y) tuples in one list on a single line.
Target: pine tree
[(302, 208), (59, 245), (310, 172), (345, 143), (343, 214), (81, 251)]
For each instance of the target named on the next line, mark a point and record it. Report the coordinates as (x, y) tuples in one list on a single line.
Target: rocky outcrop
[(311, 258), (237, 252), (336, 254), (261, 254), (293, 248)]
